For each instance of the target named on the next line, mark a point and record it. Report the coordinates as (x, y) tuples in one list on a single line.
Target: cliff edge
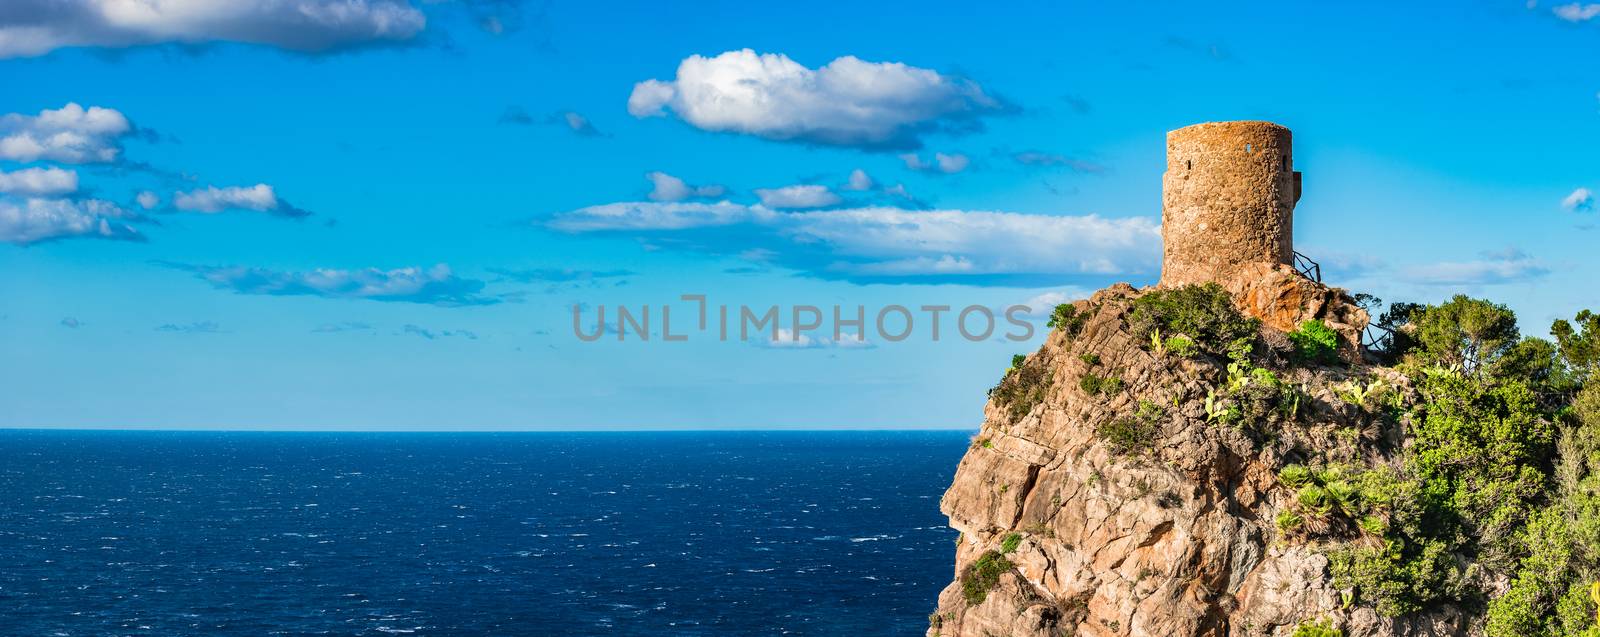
[(1143, 473)]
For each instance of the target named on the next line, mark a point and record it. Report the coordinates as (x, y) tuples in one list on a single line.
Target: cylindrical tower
[(1227, 199)]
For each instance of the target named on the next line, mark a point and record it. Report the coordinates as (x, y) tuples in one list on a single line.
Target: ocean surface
[(205, 533)]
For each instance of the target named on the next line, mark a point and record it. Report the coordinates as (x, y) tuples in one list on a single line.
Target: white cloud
[(859, 181), (579, 124), (148, 200), (787, 339), (1577, 12), (885, 244), (1581, 200), (951, 163), (35, 220), (71, 134), (665, 187), (434, 286), (36, 27), (1043, 304), (1036, 158), (848, 102), (258, 198), (806, 196), (39, 182), (1505, 266), (947, 164)]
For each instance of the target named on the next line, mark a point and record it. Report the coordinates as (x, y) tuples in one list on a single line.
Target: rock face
[(1282, 298), (1176, 538)]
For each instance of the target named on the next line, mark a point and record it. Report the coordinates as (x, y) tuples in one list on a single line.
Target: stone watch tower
[(1227, 201)]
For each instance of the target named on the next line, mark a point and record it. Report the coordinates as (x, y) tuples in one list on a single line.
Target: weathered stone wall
[(1228, 200)]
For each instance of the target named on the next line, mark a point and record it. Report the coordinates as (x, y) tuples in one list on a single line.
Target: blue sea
[(208, 533)]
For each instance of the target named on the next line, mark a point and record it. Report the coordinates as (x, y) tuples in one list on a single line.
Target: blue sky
[(270, 215)]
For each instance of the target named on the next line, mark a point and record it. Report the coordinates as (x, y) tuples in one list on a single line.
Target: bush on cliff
[(1317, 629), (1134, 433), (1203, 313), (1095, 384), (982, 575), (1067, 318), (1023, 387), (1315, 342)]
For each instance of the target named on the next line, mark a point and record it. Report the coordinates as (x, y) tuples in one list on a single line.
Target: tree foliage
[(1463, 332)]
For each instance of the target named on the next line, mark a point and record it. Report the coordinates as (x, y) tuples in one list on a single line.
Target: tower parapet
[(1228, 200)]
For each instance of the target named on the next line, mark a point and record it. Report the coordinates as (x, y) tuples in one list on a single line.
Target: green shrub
[(1010, 542), (1255, 396), (1089, 359), (1398, 579), (1549, 592), (1182, 346), (1317, 629), (1095, 385), (1067, 318), (1203, 313), (1315, 342), (1295, 476), (1022, 388), (1017, 360), (1288, 520), (1136, 433), (982, 575), (1485, 449)]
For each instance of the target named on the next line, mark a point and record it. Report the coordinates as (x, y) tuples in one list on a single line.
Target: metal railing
[(1307, 268), (1376, 337)]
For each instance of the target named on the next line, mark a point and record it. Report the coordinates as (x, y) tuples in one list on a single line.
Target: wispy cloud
[(800, 196), (431, 286), (257, 198), (1342, 266), (70, 322), (786, 339), (880, 244), (848, 102), (1212, 49), (1581, 200), (1043, 159), (1577, 11), (859, 181), (36, 27), (664, 187), (558, 275), (1041, 305), (570, 120), (1506, 266), (942, 163), (438, 334), (346, 326), (201, 327)]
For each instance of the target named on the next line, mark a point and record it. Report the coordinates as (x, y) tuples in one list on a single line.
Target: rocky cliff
[(1128, 478)]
